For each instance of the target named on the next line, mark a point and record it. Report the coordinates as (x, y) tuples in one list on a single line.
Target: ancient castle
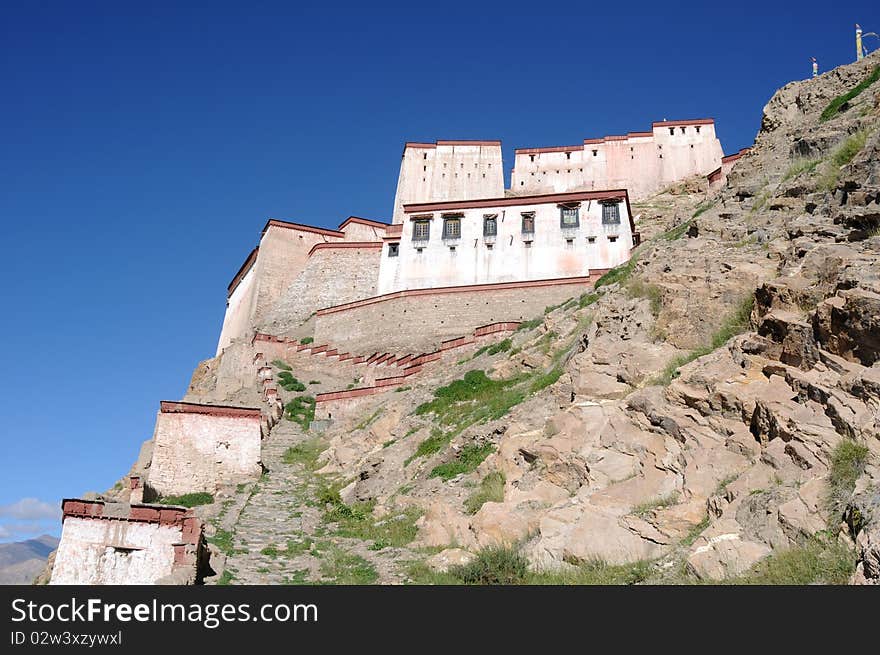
[(462, 260)]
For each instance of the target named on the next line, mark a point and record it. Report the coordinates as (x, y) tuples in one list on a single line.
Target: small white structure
[(118, 543), (201, 447), (507, 239)]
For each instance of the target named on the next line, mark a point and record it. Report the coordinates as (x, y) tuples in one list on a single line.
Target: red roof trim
[(274, 222), (248, 264), (465, 142), (516, 200), (363, 221), (694, 121), (345, 244), (535, 151), (173, 407)]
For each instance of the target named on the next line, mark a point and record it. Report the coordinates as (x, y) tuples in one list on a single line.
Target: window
[(595, 152), (421, 229), (490, 225), (568, 155), (531, 158), (682, 130), (591, 239), (569, 216), (671, 131), (489, 246), (451, 248), (452, 227), (612, 239), (569, 243), (528, 223), (610, 213), (393, 249), (697, 128)]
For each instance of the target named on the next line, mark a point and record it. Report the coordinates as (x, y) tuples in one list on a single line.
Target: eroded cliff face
[(710, 408)]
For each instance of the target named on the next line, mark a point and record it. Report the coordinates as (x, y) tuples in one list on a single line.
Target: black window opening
[(528, 223), (421, 229), (569, 216), (591, 239), (490, 225), (393, 249), (452, 227), (611, 213), (697, 128)]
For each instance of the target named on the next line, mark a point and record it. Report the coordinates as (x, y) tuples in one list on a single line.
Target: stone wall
[(418, 320), (335, 273), (202, 447), (116, 543)]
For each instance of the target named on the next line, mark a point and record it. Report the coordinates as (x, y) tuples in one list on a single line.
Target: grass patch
[(500, 347), (225, 578), (495, 565), (735, 323), (187, 500), (301, 410), (820, 560), (290, 383), (587, 299), (314, 382), (368, 420), (270, 551), (841, 156), (473, 398), (702, 208), (223, 540), (491, 489), (848, 461), (638, 288), (470, 457), (544, 380), (529, 325), (835, 106), (678, 231), (402, 389), (618, 274), (306, 454), (356, 521), (644, 509), (284, 366), (800, 167), (344, 568), (433, 444), (306, 340)]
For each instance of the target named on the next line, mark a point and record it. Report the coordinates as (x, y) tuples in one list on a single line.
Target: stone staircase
[(282, 512)]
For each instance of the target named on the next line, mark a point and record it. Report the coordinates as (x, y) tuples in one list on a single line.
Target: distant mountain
[(22, 561)]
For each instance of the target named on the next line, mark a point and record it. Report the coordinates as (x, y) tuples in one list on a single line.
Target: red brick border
[(226, 411)]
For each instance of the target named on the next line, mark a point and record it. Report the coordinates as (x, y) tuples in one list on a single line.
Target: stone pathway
[(281, 537)]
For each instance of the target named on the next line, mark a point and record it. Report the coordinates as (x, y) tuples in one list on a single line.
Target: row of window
[(394, 248), (569, 217)]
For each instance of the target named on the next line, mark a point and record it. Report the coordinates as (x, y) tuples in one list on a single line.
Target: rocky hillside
[(709, 413)]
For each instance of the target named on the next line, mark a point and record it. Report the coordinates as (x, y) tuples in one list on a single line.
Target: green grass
[(307, 340), (356, 521), (800, 167), (736, 323), (344, 568), (314, 382), (491, 489), (437, 441), (187, 500), (848, 461), (295, 548), (644, 509), (820, 560), (368, 420), (290, 383), (841, 156), (702, 208), (619, 274), (835, 105), (305, 453), (225, 578), (301, 410), (402, 389), (470, 457), (544, 380), (678, 231), (284, 366), (223, 540), (587, 299), (530, 324), (472, 398), (270, 551), (500, 347), (493, 566), (638, 288)]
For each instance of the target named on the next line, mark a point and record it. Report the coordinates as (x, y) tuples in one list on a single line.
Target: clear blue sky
[(145, 144)]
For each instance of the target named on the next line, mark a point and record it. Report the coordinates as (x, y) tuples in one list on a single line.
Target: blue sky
[(145, 144)]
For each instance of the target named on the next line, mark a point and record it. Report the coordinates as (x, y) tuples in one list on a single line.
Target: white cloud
[(30, 509), (4, 533)]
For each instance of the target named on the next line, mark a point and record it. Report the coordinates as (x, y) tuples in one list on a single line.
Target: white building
[(507, 239)]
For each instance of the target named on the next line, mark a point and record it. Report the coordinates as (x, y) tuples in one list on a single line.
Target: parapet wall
[(418, 320), (116, 543), (335, 273), (202, 447)]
